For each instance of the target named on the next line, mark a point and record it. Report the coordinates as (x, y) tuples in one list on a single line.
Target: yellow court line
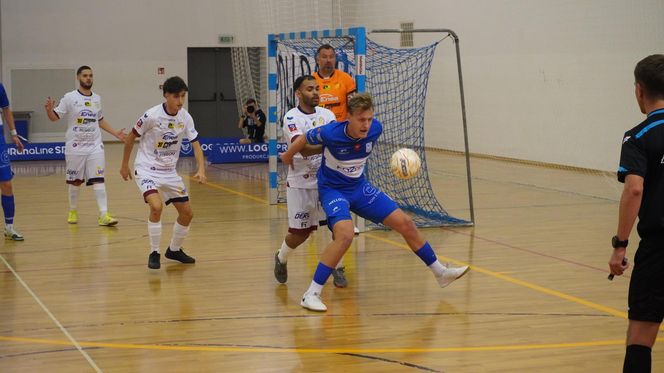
[(547, 346), (504, 277), (542, 289)]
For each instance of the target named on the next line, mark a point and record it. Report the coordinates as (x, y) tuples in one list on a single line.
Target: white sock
[(315, 287), (73, 196), (100, 192), (154, 232), (437, 268), (179, 234), (9, 227), (284, 252)]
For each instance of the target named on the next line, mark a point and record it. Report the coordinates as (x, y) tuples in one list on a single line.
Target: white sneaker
[(451, 274), (312, 302)]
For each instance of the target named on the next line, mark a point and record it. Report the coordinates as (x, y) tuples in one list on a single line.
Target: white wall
[(546, 80)]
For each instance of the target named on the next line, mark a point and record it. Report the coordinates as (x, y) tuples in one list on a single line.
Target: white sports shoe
[(312, 302), (451, 274)]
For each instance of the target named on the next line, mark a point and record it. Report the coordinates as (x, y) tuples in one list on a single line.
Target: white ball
[(405, 163)]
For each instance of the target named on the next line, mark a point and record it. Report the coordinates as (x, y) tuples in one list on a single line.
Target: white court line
[(62, 328)]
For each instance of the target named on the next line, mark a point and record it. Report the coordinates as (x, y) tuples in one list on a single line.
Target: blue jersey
[(344, 158), (4, 100)]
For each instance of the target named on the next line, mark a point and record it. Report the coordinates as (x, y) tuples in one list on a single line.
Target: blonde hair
[(361, 102)]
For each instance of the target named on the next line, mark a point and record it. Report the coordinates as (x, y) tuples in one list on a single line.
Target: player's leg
[(74, 177), (373, 204), (8, 208), (646, 306), (94, 170), (302, 219), (337, 208), (175, 192), (147, 184)]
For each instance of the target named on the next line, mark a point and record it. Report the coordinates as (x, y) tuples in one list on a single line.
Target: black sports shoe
[(339, 277), (280, 269), (153, 260), (179, 255)]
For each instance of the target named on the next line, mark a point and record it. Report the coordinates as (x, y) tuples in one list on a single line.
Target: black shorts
[(646, 287)]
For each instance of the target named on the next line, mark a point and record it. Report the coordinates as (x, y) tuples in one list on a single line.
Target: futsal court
[(80, 298)]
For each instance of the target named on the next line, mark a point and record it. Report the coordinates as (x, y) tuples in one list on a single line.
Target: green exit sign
[(225, 39)]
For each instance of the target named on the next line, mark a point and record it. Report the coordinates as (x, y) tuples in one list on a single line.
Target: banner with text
[(240, 153)]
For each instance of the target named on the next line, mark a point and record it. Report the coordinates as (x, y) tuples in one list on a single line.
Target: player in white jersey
[(304, 211), (161, 130), (84, 150)]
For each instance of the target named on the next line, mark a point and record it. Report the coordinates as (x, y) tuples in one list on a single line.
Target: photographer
[(253, 119)]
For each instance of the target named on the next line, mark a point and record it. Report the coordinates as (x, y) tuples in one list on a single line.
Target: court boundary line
[(64, 331)]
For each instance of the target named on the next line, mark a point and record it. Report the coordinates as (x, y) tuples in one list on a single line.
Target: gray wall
[(545, 80)]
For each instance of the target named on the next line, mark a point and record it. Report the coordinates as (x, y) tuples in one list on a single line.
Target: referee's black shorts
[(646, 287)]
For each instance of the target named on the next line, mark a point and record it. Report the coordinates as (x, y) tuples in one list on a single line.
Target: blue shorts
[(366, 201), (6, 173)]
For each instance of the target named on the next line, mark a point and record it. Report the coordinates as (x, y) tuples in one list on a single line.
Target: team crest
[(171, 125), (357, 147), (88, 103)]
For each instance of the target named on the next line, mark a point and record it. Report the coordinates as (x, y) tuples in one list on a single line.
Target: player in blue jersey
[(343, 188), (6, 173)]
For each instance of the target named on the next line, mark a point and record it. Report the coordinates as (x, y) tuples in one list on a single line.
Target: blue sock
[(322, 273), (426, 254), (8, 208)]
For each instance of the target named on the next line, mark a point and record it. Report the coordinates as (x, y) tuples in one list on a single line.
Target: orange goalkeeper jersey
[(334, 91)]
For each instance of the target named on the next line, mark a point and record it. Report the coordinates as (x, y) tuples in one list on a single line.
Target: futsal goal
[(397, 78)]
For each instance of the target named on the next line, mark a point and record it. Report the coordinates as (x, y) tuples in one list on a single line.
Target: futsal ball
[(405, 164)]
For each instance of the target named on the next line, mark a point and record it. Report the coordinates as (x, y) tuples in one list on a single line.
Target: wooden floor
[(79, 298)]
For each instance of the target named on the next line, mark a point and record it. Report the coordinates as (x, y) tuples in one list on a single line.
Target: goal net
[(397, 79)]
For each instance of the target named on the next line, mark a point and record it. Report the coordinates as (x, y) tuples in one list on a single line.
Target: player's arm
[(49, 106), (200, 161), (120, 135), (8, 117), (295, 147), (630, 202), (125, 172), (309, 149)]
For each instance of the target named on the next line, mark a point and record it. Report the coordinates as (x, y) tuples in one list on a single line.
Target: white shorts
[(82, 167), (169, 186), (304, 210)]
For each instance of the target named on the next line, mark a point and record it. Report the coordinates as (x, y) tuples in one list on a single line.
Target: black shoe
[(179, 255), (339, 277), (153, 260), (280, 270)]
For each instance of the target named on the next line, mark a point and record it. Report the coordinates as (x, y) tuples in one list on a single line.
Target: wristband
[(13, 132)]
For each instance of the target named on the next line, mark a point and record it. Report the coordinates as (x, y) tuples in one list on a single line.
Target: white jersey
[(161, 138), (297, 123), (82, 114)]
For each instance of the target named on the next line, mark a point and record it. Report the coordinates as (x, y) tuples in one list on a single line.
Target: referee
[(642, 171)]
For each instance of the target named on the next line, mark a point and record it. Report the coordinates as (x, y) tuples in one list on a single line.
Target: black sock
[(637, 359)]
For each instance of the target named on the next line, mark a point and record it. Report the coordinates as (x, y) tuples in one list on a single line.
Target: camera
[(250, 109)]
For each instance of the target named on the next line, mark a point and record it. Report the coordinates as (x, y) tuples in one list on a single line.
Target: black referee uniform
[(643, 154)]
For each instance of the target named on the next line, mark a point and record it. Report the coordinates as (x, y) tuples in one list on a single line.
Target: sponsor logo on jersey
[(100, 171), (327, 99), (344, 151), (369, 147), (180, 125), (292, 127), (171, 125), (186, 147), (357, 147), (289, 118), (139, 124)]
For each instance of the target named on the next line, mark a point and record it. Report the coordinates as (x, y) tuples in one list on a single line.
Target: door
[(212, 101)]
